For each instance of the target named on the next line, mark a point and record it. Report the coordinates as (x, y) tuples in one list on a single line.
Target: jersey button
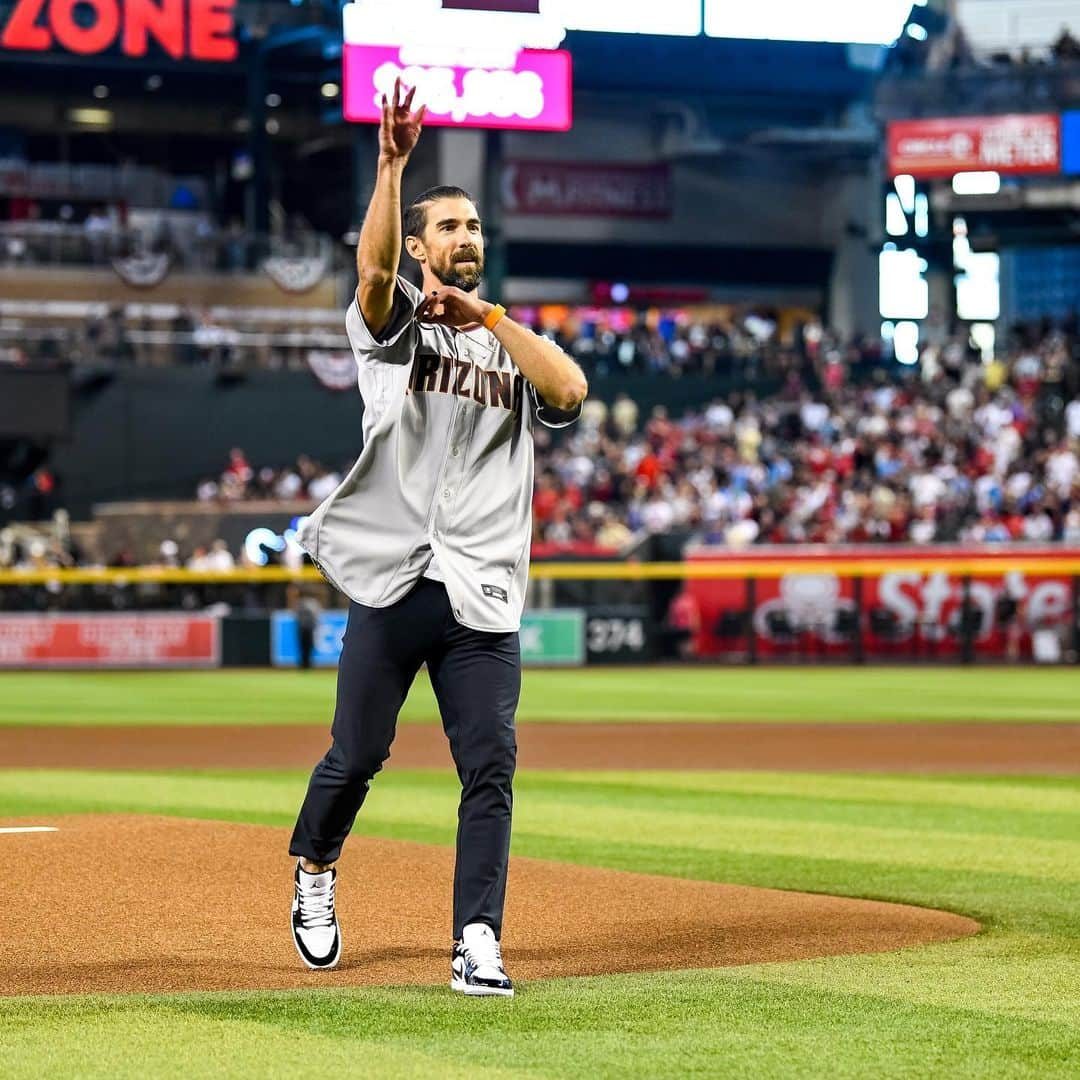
[(454, 451), (446, 493)]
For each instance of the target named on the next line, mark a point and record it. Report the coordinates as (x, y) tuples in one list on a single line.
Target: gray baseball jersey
[(445, 475)]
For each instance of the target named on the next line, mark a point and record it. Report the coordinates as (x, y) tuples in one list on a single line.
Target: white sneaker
[(315, 928), (476, 965)]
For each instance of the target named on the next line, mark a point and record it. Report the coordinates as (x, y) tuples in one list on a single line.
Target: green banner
[(553, 637)]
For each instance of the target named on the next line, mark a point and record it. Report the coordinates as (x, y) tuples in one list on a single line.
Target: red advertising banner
[(906, 611), (1018, 143), (197, 30), (562, 187), (138, 640)]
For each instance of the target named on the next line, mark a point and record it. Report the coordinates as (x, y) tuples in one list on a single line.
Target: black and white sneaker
[(476, 964), (315, 928)]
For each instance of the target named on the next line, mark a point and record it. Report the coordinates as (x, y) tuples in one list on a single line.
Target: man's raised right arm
[(379, 250)]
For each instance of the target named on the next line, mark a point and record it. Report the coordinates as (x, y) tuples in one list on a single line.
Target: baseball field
[(778, 872)]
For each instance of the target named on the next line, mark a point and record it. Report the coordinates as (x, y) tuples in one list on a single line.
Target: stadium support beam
[(495, 237), (257, 207)]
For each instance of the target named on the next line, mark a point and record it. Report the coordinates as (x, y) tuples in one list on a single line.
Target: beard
[(456, 276)]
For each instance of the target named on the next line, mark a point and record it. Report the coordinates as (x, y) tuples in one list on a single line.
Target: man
[(429, 537)]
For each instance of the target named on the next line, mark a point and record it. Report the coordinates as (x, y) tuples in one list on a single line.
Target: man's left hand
[(449, 306)]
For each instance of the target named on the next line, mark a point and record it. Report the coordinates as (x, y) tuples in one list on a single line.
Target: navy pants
[(477, 679)]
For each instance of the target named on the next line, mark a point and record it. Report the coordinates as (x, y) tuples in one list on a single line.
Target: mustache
[(469, 255)]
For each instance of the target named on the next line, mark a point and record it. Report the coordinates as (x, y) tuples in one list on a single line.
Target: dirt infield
[(154, 904), (991, 748)]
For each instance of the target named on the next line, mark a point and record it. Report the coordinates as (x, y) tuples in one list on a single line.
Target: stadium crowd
[(956, 450), (963, 451)]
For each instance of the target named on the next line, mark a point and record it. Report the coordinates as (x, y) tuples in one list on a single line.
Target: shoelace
[(484, 953), (316, 908)]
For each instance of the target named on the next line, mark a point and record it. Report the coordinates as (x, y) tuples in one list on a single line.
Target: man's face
[(453, 243)]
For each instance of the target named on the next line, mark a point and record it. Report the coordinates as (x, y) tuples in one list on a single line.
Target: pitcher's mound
[(123, 903)]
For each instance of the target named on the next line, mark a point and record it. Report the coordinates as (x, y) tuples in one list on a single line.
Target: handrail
[(581, 571)]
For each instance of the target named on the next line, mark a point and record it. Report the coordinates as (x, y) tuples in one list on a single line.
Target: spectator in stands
[(215, 560), (168, 555), (98, 226), (236, 476), (1066, 49)]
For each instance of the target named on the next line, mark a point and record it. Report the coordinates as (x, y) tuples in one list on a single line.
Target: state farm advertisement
[(137, 640), (905, 611), (1018, 143)]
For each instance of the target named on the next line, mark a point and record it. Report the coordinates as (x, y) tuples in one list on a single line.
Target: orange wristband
[(494, 317)]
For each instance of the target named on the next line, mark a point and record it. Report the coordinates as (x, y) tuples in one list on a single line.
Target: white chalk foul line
[(30, 828)]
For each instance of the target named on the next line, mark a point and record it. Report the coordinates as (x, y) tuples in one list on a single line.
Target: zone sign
[(195, 29)]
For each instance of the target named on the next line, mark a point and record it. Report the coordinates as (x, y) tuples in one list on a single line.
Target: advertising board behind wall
[(904, 610), (1013, 144), (141, 639), (547, 637)]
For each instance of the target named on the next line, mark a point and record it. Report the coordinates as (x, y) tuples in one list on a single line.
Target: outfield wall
[(951, 604)]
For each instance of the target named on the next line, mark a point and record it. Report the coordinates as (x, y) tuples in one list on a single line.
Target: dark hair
[(416, 211)]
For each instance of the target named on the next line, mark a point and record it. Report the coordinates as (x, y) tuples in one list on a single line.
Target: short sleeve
[(397, 342), (551, 417)]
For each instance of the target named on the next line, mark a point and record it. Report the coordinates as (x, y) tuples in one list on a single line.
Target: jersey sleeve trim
[(551, 417), (366, 345)]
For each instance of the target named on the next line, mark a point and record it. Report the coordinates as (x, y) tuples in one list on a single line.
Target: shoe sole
[(330, 965), (462, 987)]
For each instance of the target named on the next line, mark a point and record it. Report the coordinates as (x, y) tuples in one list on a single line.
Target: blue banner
[(547, 637), (1070, 142), (285, 639)]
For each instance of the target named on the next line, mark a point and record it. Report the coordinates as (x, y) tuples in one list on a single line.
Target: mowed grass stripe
[(548, 805), (1038, 794), (811, 695), (665, 1025), (120, 1041)]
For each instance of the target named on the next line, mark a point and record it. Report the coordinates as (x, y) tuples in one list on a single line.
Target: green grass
[(907, 695), (1001, 1004)]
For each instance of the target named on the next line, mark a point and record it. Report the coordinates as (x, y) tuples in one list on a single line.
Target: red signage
[(140, 640), (1017, 143), (574, 188), (196, 29), (536, 94), (906, 612)]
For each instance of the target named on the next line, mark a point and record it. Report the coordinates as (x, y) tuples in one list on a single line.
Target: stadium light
[(903, 289), (922, 215), (976, 183), (895, 221), (906, 343), (330, 89), (851, 22), (91, 117), (905, 188), (672, 17)]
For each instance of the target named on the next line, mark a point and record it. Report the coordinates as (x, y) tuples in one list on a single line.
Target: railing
[(155, 247), (720, 570), (946, 607), (987, 89)]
